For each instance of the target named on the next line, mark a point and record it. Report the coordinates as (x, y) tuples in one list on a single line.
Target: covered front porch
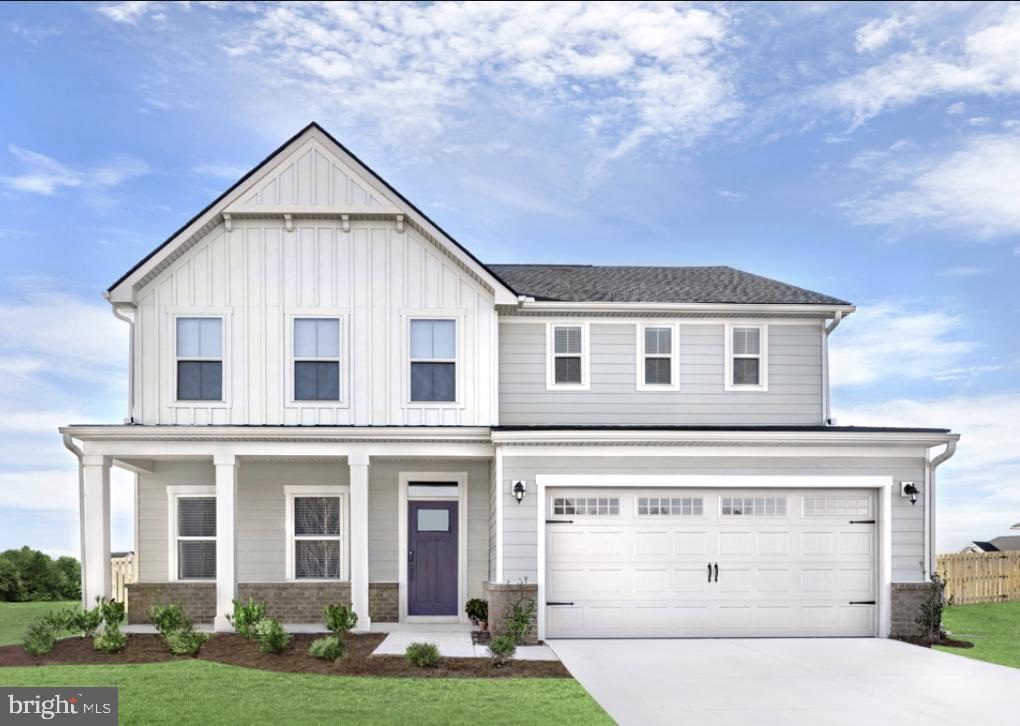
[(394, 521)]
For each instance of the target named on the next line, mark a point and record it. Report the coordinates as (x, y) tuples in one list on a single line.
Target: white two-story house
[(331, 400)]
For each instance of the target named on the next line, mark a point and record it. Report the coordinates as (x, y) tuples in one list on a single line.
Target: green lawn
[(200, 692), (993, 628), (15, 617)]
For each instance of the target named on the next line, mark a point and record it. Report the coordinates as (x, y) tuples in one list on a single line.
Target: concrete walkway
[(454, 645), (789, 682)]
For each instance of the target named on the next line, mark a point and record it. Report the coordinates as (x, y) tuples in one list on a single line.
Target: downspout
[(70, 445), (131, 359), (929, 501), (826, 398)]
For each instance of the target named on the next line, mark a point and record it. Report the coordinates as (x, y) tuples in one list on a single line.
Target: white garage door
[(705, 563)]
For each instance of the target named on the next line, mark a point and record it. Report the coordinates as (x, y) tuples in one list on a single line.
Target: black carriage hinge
[(862, 602), (862, 521), (558, 603), (559, 521)]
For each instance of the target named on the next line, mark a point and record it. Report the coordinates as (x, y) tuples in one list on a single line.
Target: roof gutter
[(70, 445), (826, 395), (131, 356), (756, 309)]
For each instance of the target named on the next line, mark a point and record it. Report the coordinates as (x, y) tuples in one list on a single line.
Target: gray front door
[(432, 558)]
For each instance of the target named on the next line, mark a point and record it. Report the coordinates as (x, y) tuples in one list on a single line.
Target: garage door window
[(753, 506), (837, 506), (670, 507), (587, 506)]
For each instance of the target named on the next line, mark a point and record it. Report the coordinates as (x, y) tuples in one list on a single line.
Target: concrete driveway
[(815, 682)]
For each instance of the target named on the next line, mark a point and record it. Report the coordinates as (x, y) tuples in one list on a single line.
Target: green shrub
[(168, 619), (477, 609), (422, 655), (111, 640), (502, 650), (932, 605), (185, 641), (40, 637), (271, 636), (246, 618), (112, 612), (331, 648), (83, 622), (340, 619), (520, 616)]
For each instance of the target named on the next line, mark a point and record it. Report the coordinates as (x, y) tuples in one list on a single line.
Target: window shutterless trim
[(343, 361), (762, 356), (641, 355), (292, 492), (551, 356), (225, 317), (458, 319), (173, 493)]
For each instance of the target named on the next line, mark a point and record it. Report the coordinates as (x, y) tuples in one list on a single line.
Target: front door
[(432, 558)]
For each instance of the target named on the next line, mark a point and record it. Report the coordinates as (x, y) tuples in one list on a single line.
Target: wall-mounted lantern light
[(519, 488), (909, 489)]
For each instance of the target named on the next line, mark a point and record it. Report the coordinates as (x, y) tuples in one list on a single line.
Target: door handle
[(709, 571), (410, 555), (717, 572)]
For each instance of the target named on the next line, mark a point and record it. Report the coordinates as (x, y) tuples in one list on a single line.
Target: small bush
[(185, 641), (422, 655), (932, 605), (340, 619), (111, 640), (329, 649), (477, 609), (502, 650), (168, 619), (83, 622), (40, 637), (246, 618), (520, 616), (112, 612), (271, 636)]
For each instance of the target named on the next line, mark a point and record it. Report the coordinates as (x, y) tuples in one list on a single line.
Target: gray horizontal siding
[(520, 533), (794, 395)]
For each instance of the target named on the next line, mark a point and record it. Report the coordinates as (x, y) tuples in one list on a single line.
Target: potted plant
[(478, 610)]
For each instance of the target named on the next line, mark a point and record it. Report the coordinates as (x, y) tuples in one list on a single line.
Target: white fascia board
[(722, 437), (721, 309), (472, 434)]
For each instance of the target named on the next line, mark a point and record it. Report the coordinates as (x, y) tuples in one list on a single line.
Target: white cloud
[(956, 108), (875, 34), (132, 11), (975, 187), (984, 62), (978, 492), (731, 196), (978, 121), (45, 175), (962, 271), (896, 341), (227, 171), (57, 490)]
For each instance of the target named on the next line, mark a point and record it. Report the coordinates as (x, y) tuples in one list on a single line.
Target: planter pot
[(484, 625)]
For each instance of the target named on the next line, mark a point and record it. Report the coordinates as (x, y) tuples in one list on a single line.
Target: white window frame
[(344, 359), (458, 348), (674, 358), (225, 356), (672, 514), (550, 362), (173, 493), (763, 358), (292, 492)]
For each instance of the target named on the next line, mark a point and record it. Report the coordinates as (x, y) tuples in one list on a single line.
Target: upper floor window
[(657, 363), (568, 357), (746, 364), (316, 359), (199, 359), (433, 360)]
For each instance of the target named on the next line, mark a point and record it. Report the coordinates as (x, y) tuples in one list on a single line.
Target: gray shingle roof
[(591, 283), (1007, 544)]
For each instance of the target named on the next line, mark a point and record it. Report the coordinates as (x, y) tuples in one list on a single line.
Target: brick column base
[(906, 608), (384, 602), (500, 597)]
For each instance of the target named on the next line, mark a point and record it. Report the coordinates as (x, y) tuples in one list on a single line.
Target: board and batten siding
[(372, 277), (520, 535), (794, 394)]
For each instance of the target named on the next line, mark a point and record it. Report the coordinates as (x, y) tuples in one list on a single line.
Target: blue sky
[(869, 151)]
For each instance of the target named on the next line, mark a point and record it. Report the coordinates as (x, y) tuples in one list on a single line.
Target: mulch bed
[(947, 642), (235, 650)]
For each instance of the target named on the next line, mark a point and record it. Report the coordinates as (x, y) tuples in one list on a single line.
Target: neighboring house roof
[(625, 284), (1006, 544), (1016, 526), (983, 546)]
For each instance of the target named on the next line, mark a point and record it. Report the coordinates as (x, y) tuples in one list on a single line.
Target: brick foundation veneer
[(296, 602), (499, 597), (906, 607), (198, 599), (384, 602)]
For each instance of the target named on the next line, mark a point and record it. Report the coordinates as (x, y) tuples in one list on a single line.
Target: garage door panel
[(690, 580), (770, 580), (564, 543), (818, 544), (735, 543), (857, 582), (610, 581), (855, 543), (774, 543), (608, 543), (654, 544), (690, 543), (652, 581)]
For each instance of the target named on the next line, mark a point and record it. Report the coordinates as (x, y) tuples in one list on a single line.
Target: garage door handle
[(717, 572), (709, 571)]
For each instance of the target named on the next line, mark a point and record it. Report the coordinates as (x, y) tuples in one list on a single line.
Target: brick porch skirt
[(500, 597), (906, 607)]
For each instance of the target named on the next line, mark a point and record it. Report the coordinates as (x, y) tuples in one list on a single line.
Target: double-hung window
[(746, 365), (433, 360), (195, 534), (315, 527), (316, 359), (568, 356), (657, 365), (199, 359)]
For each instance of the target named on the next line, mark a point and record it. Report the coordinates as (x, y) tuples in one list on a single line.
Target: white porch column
[(96, 573), (226, 538), (358, 463)]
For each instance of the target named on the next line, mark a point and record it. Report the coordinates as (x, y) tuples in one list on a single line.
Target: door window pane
[(432, 490), (433, 520)]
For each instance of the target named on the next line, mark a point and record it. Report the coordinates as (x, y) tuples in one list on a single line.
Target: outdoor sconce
[(909, 490), (519, 489)]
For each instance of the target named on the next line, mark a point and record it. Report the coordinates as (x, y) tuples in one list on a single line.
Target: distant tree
[(28, 574)]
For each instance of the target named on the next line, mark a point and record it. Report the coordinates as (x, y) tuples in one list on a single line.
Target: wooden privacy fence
[(123, 572), (981, 577)]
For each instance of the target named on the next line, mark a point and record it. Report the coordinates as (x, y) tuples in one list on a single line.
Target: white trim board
[(404, 478), (173, 492), (883, 484)]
